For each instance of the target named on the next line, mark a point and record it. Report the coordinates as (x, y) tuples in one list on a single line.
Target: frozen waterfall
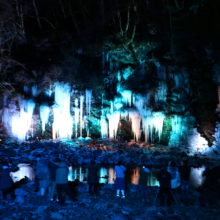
[(44, 115), (63, 122), (88, 101), (81, 114), (77, 112)]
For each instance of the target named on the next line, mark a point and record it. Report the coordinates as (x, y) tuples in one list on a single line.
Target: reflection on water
[(107, 175), (24, 170)]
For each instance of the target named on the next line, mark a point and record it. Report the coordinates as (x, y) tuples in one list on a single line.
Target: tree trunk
[(37, 14)]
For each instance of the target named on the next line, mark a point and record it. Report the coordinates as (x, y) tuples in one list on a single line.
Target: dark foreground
[(25, 203)]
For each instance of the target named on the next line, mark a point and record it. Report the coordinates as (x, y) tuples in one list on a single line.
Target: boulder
[(20, 192), (120, 216), (20, 199), (56, 215)]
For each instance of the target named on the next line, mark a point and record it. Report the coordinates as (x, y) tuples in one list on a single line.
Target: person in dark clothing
[(62, 182), (210, 186), (164, 177), (184, 170), (53, 166), (93, 178), (144, 182), (5, 179)]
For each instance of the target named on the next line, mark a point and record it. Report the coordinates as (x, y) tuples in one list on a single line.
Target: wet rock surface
[(103, 151)]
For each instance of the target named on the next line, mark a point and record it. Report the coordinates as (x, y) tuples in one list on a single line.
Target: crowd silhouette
[(52, 177)]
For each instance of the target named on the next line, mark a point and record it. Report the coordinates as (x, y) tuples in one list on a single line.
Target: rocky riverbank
[(26, 204), (103, 151)]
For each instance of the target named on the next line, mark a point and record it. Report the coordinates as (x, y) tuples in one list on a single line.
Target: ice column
[(76, 111), (88, 101), (44, 115), (136, 123), (104, 125), (113, 118), (81, 114), (20, 124), (63, 122)]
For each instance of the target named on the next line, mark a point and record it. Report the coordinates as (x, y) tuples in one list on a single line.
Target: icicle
[(88, 101), (113, 118), (63, 122), (127, 96), (77, 112), (150, 119), (44, 115), (107, 56), (119, 76), (20, 124), (135, 124), (81, 114), (34, 90), (104, 125)]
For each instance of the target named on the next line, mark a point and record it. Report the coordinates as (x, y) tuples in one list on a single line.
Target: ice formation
[(21, 124), (81, 114), (88, 101), (76, 112), (150, 120), (113, 119), (196, 142), (44, 115), (63, 122), (135, 124), (34, 90), (104, 125)]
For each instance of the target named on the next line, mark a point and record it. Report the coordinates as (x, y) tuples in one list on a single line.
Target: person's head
[(56, 161), (119, 162), (185, 163), (172, 164), (92, 162)]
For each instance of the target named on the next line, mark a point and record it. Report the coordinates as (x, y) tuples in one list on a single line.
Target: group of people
[(53, 176)]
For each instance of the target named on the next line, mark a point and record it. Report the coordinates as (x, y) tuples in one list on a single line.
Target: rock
[(20, 199), (21, 192), (120, 216), (156, 153), (56, 215), (7, 218)]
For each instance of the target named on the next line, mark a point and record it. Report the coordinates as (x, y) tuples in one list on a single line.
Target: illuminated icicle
[(77, 112), (63, 122), (114, 118), (135, 124), (34, 90), (21, 124), (44, 115), (149, 118), (88, 101), (161, 93), (127, 96), (104, 125), (81, 114), (119, 76)]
